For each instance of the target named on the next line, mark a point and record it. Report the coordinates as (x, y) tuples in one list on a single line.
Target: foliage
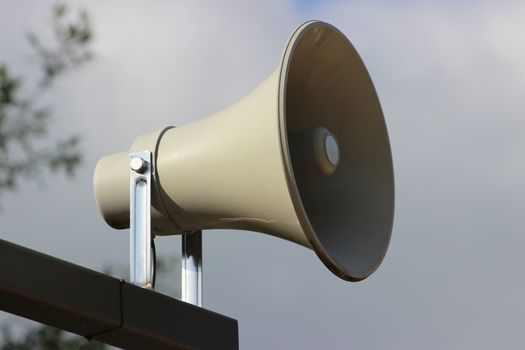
[(25, 147), (47, 338)]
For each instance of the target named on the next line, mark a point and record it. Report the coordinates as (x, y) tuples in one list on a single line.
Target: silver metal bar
[(141, 272), (191, 288)]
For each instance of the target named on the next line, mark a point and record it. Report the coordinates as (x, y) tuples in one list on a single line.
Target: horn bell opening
[(347, 215)]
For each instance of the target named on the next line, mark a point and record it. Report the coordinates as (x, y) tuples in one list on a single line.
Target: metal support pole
[(141, 267), (192, 268)]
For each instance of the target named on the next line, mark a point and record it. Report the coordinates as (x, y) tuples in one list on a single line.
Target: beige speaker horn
[(305, 157)]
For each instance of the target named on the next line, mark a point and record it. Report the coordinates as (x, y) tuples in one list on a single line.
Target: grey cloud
[(451, 81)]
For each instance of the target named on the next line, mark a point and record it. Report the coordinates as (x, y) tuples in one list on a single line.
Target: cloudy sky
[(451, 79)]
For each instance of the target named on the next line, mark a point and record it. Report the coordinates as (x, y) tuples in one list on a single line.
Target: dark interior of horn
[(347, 215)]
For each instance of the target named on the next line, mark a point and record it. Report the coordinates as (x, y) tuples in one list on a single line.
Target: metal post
[(192, 268), (141, 272), (141, 267)]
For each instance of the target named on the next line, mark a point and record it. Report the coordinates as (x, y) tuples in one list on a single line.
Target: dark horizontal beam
[(67, 296)]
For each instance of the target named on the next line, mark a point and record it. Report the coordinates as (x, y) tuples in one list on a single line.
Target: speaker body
[(248, 167)]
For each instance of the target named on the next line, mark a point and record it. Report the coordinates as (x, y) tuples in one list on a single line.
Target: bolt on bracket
[(141, 265)]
